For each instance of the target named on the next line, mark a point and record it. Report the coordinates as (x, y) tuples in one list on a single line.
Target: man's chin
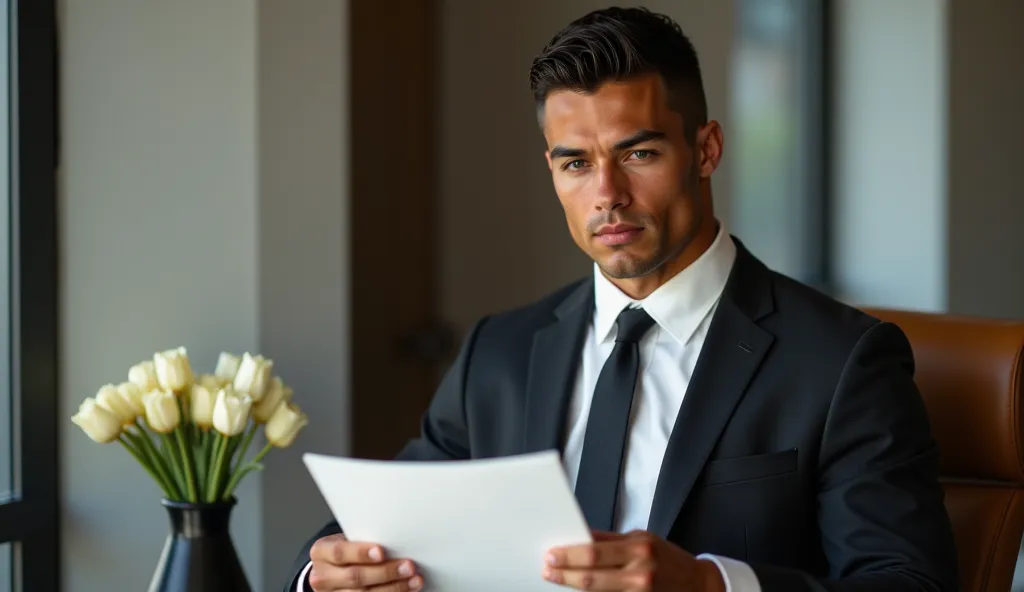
[(621, 266)]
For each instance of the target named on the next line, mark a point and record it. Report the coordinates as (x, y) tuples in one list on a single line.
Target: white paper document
[(468, 525)]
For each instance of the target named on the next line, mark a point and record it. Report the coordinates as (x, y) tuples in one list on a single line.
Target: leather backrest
[(969, 371)]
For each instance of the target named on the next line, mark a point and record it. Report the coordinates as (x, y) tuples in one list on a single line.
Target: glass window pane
[(6, 400), (6, 567), (772, 202)]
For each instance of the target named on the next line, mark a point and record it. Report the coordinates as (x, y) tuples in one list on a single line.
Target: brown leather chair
[(969, 371)]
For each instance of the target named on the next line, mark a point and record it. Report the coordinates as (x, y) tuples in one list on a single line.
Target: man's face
[(628, 180)]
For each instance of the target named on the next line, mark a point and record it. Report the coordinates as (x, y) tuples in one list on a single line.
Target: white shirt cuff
[(300, 585), (738, 576)]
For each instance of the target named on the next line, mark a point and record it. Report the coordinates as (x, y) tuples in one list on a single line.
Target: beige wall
[(503, 239), (986, 162), (158, 245), (303, 253), (203, 202)]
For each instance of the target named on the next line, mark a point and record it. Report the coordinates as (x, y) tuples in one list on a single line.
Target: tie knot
[(633, 323)]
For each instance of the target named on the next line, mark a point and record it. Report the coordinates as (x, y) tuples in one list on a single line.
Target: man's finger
[(600, 579), (411, 585), (360, 577), (337, 550), (614, 553)]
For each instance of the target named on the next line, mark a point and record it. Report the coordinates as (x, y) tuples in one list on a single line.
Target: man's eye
[(575, 165), (641, 154)]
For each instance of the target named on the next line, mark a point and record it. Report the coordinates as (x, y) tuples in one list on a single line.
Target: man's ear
[(547, 157), (709, 143)]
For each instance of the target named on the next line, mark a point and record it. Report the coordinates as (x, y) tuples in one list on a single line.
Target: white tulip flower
[(213, 383), (132, 392), (202, 402), (285, 424), (162, 413), (254, 375), (231, 411), (172, 369), (99, 423), (143, 375), (227, 366), (275, 396), (121, 403)]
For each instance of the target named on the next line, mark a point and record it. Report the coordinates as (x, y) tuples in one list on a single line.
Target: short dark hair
[(614, 44)]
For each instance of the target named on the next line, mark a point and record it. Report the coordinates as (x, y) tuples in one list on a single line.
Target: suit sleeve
[(884, 525), (443, 435)]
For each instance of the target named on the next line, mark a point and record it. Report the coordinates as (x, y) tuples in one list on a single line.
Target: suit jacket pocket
[(749, 468)]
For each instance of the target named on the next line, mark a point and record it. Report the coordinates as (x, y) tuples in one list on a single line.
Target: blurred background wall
[(158, 205), (203, 202), (219, 162)]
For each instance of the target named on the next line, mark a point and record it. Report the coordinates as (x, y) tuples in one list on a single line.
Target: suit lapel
[(554, 362), (732, 352)]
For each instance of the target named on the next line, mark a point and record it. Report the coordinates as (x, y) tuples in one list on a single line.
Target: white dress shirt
[(682, 309)]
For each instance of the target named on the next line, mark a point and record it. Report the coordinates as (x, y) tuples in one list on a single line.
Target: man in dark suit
[(723, 427)]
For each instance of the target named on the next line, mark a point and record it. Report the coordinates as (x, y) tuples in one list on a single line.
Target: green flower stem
[(245, 469), (159, 460), (146, 465), (246, 442), (174, 461), (209, 450), (184, 436), (218, 469), (236, 479), (232, 447), (212, 450), (142, 441), (229, 458), (264, 452), (202, 456), (239, 469), (189, 463)]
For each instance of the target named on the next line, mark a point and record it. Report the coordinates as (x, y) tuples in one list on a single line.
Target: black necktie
[(597, 483)]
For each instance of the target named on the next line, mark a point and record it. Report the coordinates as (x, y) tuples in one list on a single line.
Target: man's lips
[(618, 234)]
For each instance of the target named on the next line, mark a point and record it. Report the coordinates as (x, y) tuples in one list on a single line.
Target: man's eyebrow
[(638, 138), (563, 152)]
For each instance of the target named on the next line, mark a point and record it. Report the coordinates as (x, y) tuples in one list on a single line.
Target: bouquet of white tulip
[(192, 433)]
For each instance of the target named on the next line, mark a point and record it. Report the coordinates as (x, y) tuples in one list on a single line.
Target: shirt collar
[(679, 305)]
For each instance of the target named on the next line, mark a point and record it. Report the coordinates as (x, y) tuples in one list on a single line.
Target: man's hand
[(340, 565), (638, 561)]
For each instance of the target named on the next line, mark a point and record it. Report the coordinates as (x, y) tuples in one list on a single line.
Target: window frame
[(30, 519)]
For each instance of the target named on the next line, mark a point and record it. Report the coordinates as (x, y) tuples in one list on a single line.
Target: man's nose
[(612, 188)]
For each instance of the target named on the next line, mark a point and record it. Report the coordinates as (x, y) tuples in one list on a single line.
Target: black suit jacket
[(802, 445)]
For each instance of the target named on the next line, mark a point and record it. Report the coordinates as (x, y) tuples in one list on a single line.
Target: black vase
[(199, 555)]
